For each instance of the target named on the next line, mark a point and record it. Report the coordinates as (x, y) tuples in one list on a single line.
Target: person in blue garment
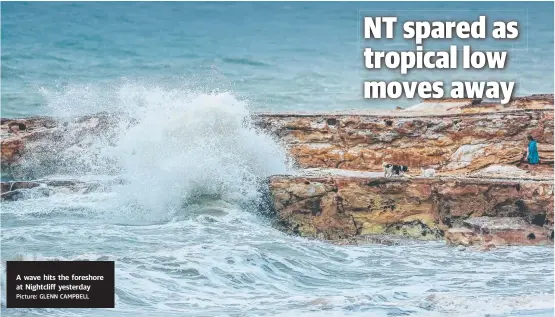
[(532, 155)]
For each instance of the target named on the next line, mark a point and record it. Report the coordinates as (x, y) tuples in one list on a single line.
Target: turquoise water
[(277, 56), (179, 174)]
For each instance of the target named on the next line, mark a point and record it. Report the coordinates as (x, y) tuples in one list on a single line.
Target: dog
[(392, 169), (430, 172)]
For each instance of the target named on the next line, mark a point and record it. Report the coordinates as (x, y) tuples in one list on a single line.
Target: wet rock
[(12, 186), (502, 171), (12, 195), (43, 138), (489, 232), (12, 149), (12, 191), (343, 205), (460, 143)]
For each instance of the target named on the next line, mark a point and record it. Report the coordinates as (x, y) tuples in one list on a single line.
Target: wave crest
[(169, 145)]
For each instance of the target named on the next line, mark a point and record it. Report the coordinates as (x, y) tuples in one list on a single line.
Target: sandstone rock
[(459, 144), (12, 149), (465, 154), (343, 205), (11, 186), (441, 105), (450, 105), (38, 147), (461, 137), (538, 101), (502, 231), (449, 142), (502, 171)]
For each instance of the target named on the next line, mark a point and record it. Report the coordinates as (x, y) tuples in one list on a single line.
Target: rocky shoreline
[(341, 207), (483, 194), (455, 143)]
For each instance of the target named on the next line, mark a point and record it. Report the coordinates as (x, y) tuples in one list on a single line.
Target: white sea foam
[(172, 215), (169, 145)]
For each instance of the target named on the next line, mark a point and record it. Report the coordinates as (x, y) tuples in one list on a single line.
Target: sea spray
[(195, 145), (167, 145)]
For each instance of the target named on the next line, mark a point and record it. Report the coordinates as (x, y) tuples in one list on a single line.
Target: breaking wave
[(167, 145), (177, 172)]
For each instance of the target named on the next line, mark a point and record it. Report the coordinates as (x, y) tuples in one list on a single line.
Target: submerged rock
[(12, 191)]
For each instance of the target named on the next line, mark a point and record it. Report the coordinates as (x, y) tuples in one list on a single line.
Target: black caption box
[(38, 284)]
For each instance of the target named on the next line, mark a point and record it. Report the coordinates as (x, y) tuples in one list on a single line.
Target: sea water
[(181, 188), (278, 56)]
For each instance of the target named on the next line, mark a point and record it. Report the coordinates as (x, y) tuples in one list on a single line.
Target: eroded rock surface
[(335, 207), (484, 195), (455, 143), (492, 232), (453, 136)]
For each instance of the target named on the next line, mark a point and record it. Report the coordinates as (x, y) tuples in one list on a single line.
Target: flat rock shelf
[(483, 192), (343, 205)]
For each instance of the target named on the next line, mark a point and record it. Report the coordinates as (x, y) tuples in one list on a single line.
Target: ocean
[(276, 56), (178, 206)]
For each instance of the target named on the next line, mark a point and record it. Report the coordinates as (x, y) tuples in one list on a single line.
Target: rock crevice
[(339, 207), (456, 143)]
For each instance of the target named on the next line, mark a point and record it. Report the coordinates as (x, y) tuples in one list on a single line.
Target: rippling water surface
[(177, 209), (278, 56), (219, 260), (177, 206)]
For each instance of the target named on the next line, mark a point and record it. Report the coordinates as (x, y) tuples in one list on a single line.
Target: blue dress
[(533, 157)]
